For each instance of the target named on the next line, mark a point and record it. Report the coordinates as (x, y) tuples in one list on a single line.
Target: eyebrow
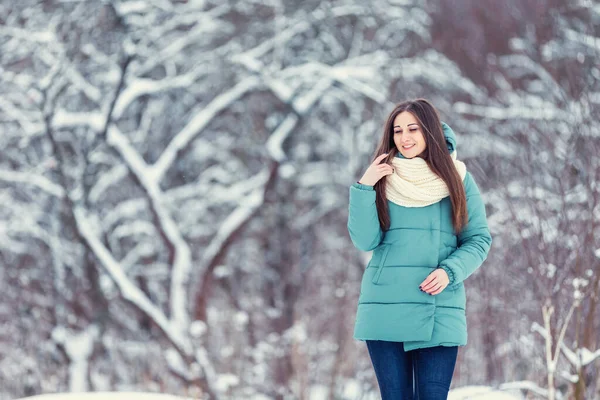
[(398, 126)]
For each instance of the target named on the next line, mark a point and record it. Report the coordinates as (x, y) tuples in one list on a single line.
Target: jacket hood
[(450, 139)]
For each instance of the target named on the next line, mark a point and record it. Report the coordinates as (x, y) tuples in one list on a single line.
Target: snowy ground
[(106, 396), (464, 393), (481, 393)]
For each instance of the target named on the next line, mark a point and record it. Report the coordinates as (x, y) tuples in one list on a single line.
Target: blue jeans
[(431, 368)]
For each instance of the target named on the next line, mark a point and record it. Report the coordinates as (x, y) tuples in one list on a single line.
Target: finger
[(431, 283), (427, 280), (438, 291), (433, 288), (379, 158), (385, 171)]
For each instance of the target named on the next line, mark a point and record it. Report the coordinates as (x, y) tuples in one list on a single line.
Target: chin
[(410, 154)]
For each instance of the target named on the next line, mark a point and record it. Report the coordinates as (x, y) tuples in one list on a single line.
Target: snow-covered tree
[(174, 176)]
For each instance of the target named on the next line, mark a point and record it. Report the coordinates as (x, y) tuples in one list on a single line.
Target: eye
[(414, 130)]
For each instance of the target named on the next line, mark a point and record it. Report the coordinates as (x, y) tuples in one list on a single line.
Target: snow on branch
[(70, 72), (128, 290), (551, 112), (251, 202), (182, 254), (238, 217), (44, 37), (528, 65), (36, 180), (78, 347), (110, 178), (275, 142), (141, 87), (588, 40), (250, 58), (198, 123), (524, 385), (578, 358), (30, 124), (206, 22), (65, 119)]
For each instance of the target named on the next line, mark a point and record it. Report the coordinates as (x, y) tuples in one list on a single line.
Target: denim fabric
[(420, 374)]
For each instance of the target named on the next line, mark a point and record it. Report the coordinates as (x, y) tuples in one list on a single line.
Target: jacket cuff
[(450, 273), (362, 186)]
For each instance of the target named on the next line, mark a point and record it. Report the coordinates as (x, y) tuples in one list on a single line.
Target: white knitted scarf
[(414, 184)]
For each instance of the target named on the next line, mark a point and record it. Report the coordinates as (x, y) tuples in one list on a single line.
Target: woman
[(426, 224)]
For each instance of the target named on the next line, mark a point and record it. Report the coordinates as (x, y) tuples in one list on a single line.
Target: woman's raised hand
[(376, 171)]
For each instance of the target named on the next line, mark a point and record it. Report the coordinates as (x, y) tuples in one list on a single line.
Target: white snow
[(78, 346), (182, 253), (317, 392), (198, 122), (588, 40), (506, 113), (587, 357), (131, 7), (226, 381), (481, 393), (33, 179), (240, 319), (326, 94), (106, 396), (197, 328), (177, 364), (275, 142), (297, 333)]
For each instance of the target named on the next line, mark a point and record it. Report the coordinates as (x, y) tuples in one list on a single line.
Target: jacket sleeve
[(363, 221), (474, 241)]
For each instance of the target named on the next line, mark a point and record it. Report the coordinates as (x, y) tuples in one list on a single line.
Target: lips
[(408, 147)]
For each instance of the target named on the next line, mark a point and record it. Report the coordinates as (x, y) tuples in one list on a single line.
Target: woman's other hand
[(435, 282), (376, 171)]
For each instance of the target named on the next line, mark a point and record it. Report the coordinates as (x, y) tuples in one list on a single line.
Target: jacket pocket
[(397, 285), (377, 275)]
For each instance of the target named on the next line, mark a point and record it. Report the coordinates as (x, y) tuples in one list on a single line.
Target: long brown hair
[(436, 155)]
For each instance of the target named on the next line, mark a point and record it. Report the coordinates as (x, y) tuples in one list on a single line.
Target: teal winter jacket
[(420, 239)]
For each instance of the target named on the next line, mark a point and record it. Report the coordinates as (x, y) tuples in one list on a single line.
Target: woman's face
[(408, 135)]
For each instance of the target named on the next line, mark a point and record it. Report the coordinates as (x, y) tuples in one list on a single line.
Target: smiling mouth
[(408, 147)]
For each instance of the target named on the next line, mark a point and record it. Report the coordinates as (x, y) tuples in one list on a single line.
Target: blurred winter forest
[(174, 189)]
